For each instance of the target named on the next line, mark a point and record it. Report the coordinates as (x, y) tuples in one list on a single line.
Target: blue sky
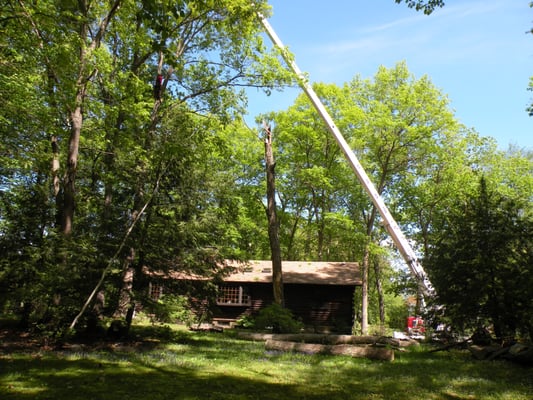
[(476, 52)]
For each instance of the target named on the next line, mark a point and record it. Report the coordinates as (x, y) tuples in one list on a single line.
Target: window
[(232, 295), (155, 291)]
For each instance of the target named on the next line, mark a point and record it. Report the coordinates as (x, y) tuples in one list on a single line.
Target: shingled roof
[(301, 272), (260, 271)]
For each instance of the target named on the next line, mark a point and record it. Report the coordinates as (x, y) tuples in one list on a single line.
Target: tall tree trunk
[(69, 189), (85, 74), (364, 271), (273, 225), (320, 239), (56, 182), (364, 290), (125, 296), (379, 289)]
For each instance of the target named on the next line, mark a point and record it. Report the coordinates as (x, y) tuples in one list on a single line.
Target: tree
[(481, 264), (404, 135), (396, 123), (312, 184), (83, 72), (273, 224)]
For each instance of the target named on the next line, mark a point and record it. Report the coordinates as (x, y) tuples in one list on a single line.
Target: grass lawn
[(218, 366)]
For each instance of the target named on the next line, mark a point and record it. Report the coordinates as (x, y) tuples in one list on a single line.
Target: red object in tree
[(158, 87)]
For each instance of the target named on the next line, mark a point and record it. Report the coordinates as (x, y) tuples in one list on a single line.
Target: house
[(320, 294)]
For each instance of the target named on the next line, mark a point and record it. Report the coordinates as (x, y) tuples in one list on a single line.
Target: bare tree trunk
[(273, 225)]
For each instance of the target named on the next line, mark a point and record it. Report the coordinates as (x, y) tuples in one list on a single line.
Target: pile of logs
[(372, 347)]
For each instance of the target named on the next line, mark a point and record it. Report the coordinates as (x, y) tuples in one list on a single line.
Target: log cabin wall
[(322, 308)]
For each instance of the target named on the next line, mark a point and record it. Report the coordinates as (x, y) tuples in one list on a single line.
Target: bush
[(172, 309), (245, 322), (278, 319)]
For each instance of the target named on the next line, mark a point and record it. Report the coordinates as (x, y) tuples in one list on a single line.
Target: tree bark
[(364, 290), (379, 289), (126, 290), (85, 74), (273, 224), (364, 271), (69, 190)]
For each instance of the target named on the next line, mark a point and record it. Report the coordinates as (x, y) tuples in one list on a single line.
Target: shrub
[(172, 309), (277, 318), (245, 322)]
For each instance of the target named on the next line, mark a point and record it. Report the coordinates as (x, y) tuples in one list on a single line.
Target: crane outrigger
[(390, 224)]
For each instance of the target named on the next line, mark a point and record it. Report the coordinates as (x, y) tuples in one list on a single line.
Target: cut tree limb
[(374, 353)]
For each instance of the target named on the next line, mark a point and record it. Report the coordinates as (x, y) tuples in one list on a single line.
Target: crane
[(390, 224)]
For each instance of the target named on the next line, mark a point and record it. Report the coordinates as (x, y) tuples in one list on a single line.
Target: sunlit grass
[(219, 366)]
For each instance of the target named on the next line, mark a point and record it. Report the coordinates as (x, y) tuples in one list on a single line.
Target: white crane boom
[(392, 227)]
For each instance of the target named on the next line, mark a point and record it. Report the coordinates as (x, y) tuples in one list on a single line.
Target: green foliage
[(481, 265), (145, 176), (173, 309), (179, 184), (245, 321), (278, 319)]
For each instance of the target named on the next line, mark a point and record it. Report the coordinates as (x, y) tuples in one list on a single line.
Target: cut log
[(374, 353), (327, 339)]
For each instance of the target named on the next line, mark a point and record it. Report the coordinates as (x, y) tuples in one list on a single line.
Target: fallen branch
[(374, 353)]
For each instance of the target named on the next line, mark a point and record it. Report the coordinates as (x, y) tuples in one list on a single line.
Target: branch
[(105, 22)]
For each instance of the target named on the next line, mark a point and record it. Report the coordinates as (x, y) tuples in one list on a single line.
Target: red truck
[(415, 326)]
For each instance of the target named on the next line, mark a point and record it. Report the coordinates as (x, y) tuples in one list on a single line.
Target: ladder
[(390, 224)]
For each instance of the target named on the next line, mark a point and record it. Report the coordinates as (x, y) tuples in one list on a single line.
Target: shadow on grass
[(210, 366), (89, 379)]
